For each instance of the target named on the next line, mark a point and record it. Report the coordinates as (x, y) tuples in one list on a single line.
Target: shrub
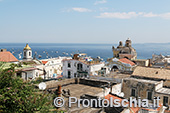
[(17, 96)]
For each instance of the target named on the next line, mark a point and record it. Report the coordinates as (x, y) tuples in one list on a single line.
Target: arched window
[(114, 68), (29, 53), (69, 64), (79, 67), (69, 74), (126, 57), (24, 53)]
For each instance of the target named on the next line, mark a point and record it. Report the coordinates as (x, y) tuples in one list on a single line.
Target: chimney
[(77, 80), (150, 64), (59, 94), (59, 91), (111, 89)]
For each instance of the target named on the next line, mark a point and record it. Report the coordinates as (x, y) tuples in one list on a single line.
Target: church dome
[(126, 50), (27, 47)]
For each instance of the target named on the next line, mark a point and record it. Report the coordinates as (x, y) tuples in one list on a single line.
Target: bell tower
[(27, 53), (128, 43)]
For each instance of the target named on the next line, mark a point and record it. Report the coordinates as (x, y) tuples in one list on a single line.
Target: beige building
[(141, 62), (126, 51), (152, 73), (145, 89), (148, 83)]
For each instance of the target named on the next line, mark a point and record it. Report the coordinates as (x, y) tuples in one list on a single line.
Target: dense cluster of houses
[(126, 75)]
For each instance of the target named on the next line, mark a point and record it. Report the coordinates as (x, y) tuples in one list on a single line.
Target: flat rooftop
[(118, 75), (140, 60), (93, 62), (143, 80), (77, 90)]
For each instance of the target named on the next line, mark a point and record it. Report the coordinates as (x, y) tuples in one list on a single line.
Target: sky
[(84, 21)]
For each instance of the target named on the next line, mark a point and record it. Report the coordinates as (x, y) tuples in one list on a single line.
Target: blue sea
[(48, 50)]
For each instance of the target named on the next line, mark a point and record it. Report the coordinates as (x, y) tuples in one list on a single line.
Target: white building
[(81, 66), (105, 70), (123, 65), (30, 73), (160, 61), (53, 66), (46, 68), (27, 53)]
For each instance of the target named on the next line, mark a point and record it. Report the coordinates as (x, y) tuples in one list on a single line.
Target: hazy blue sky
[(84, 21)]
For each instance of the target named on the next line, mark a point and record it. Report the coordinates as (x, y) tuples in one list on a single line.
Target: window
[(36, 74), (74, 75), (69, 74), (29, 53), (19, 74), (79, 67), (144, 111), (133, 92), (75, 64), (24, 53), (104, 69), (149, 95), (69, 65), (165, 101)]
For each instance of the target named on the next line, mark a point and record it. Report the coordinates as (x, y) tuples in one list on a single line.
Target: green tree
[(17, 96)]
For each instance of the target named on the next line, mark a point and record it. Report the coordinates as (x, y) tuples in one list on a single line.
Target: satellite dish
[(42, 86)]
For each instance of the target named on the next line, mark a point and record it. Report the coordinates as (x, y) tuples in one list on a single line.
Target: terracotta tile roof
[(134, 109), (60, 76), (148, 72), (44, 62), (7, 57), (127, 61), (154, 110)]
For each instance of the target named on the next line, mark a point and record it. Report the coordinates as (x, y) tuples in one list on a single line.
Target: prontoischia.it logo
[(132, 102)]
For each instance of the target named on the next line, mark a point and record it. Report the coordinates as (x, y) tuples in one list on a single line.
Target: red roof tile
[(127, 61), (134, 109), (44, 62), (7, 57), (59, 76)]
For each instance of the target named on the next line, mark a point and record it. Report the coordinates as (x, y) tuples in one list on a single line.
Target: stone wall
[(54, 83), (90, 82)]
